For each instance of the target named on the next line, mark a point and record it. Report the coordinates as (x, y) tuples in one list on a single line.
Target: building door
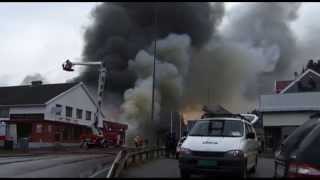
[(24, 130), (276, 138)]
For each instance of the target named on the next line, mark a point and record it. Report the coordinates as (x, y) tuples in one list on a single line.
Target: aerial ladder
[(68, 66)]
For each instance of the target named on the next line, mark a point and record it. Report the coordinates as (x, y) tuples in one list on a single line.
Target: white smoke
[(263, 30), (172, 65), (254, 46)]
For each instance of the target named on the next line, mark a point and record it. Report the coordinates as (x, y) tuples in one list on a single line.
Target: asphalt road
[(55, 166), (166, 168)]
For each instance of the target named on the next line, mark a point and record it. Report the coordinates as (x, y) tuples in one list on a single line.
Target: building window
[(39, 128), (58, 109), (49, 128), (68, 111), (79, 113), (88, 115), (4, 112)]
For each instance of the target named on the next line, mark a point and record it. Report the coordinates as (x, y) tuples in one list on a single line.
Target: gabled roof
[(73, 87), (299, 78), (31, 94)]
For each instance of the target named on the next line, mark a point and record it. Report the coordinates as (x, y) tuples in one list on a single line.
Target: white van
[(226, 144)]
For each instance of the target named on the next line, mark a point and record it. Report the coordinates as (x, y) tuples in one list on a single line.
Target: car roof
[(309, 147), (299, 135)]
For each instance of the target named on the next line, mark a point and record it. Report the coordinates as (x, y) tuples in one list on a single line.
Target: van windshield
[(217, 128)]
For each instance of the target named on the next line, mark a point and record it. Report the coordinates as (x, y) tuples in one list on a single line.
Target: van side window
[(251, 128), (248, 129)]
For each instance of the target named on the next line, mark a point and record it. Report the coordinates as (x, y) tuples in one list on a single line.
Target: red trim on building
[(280, 85), (51, 131)]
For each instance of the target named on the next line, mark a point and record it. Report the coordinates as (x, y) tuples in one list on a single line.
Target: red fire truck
[(114, 134)]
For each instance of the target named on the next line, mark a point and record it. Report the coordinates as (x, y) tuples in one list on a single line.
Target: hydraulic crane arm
[(67, 66)]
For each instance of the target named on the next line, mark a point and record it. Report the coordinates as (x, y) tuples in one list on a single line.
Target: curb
[(16, 155)]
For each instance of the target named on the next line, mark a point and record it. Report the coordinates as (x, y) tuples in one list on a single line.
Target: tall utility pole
[(171, 123), (209, 89), (154, 61), (180, 121), (208, 94)]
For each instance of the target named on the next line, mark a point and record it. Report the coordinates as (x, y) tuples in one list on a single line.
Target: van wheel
[(184, 174)]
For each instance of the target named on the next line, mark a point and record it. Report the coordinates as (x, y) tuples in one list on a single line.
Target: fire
[(192, 113)]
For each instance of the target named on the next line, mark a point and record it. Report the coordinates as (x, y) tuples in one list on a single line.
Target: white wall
[(285, 118), (76, 98), (290, 101)]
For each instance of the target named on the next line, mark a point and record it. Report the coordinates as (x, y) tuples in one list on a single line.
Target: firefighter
[(118, 139), (140, 141), (136, 141)]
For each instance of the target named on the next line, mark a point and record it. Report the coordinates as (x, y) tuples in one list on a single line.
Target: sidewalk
[(13, 153), (267, 154), (160, 168)]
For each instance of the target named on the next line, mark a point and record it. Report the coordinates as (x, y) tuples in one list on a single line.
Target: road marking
[(104, 170)]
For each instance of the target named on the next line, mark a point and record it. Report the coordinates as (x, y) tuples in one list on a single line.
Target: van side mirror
[(250, 135)]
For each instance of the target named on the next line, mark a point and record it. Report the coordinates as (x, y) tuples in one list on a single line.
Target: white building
[(290, 106), (47, 113)]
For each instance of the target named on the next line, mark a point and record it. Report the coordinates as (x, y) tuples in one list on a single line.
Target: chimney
[(36, 83), (295, 75)]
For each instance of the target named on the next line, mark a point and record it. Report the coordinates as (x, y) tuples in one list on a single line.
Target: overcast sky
[(39, 37)]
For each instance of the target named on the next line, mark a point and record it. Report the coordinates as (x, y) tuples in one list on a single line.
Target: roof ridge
[(37, 85)]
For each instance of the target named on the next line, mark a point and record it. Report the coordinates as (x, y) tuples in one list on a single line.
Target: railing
[(126, 157)]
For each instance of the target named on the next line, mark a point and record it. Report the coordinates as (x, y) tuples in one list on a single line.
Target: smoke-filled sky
[(38, 37)]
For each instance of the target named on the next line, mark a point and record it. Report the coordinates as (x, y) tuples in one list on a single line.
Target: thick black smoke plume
[(120, 30)]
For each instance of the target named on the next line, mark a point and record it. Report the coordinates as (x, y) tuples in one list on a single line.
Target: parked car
[(220, 146), (298, 155), (179, 146)]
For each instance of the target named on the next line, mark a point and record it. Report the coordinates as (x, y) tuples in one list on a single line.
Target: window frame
[(7, 112), (59, 106), (39, 128), (77, 113), (87, 115), (49, 128), (67, 111)]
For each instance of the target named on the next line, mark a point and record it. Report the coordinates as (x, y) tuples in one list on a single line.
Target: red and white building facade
[(47, 113)]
